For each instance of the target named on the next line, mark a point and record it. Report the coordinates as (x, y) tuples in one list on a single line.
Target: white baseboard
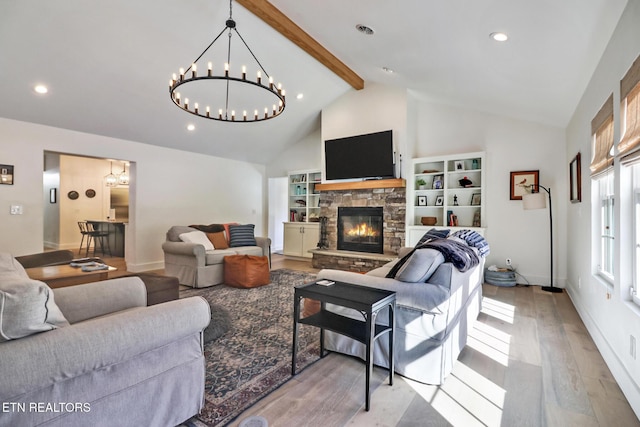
[(630, 388)]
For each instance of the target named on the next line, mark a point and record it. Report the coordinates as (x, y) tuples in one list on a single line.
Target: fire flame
[(362, 230)]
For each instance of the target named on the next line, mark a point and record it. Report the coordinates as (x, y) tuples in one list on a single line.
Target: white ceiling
[(107, 63)]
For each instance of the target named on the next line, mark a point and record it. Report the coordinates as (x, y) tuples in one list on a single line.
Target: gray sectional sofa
[(96, 355), (436, 309), (197, 267)]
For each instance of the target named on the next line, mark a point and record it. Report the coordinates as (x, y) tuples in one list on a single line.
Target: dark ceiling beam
[(285, 26)]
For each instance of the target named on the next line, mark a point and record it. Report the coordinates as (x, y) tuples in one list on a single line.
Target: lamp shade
[(534, 201)]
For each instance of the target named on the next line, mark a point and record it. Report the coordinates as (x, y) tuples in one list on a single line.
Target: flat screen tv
[(367, 156)]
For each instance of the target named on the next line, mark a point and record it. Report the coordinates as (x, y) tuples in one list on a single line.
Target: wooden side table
[(368, 301), (58, 276)]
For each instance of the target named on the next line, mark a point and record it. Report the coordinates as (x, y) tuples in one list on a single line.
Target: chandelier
[(222, 84)]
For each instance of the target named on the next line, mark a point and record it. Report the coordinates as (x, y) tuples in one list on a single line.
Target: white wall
[(302, 156), (372, 109), (172, 187), (610, 321), (510, 145)]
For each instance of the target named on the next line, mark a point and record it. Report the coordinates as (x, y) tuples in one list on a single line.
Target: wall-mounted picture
[(521, 183), (440, 201), (438, 182), (6, 174), (458, 165), (422, 200), (53, 195), (575, 180), (476, 199)]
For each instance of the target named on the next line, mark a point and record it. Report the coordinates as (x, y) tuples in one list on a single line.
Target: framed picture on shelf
[(575, 180), (438, 182), (476, 199), (6, 174), (521, 183), (458, 165), (422, 200), (440, 201)]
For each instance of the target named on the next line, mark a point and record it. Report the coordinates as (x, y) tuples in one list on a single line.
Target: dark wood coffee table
[(368, 301), (58, 276)]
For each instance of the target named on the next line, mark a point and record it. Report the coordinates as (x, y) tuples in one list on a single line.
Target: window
[(606, 200), (629, 157), (636, 233), (602, 173)]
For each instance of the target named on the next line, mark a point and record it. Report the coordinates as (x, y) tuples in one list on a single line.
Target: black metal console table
[(368, 301)]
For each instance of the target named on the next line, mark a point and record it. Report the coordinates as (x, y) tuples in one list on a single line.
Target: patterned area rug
[(253, 357)]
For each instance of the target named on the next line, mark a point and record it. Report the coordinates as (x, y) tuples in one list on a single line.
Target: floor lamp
[(536, 200)]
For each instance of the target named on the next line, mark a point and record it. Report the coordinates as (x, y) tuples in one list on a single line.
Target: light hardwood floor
[(528, 362)]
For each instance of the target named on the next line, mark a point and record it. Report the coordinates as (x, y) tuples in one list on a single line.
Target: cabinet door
[(310, 239), (292, 239)]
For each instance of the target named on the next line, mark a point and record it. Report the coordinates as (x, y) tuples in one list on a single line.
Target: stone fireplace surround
[(388, 194)]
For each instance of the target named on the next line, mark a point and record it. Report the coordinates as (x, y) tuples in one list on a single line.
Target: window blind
[(630, 106), (602, 131)]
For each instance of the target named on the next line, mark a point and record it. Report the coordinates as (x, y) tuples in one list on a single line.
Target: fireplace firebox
[(360, 229)]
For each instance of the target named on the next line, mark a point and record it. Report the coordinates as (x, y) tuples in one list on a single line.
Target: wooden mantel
[(361, 185)]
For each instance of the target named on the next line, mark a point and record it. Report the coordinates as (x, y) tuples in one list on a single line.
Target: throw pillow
[(219, 240), (211, 228), (420, 266), (199, 237), (241, 235), (226, 229), (433, 234), (26, 307)]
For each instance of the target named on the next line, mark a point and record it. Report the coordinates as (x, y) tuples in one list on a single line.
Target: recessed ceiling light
[(41, 89), (364, 29), (191, 127), (300, 96), (499, 37), (387, 70)]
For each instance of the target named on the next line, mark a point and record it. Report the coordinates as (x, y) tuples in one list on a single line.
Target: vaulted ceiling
[(107, 64)]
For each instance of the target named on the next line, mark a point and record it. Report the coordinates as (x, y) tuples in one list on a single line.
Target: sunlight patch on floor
[(465, 399), (497, 309)]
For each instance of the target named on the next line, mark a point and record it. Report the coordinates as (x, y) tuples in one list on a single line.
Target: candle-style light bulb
[(196, 107), (208, 111), (233, 114), (226, 69), (274, 109), (266, 112), (255, 115), (186, 103), (270, 82), (244, 115), (259, 74), (194, 69), (220, 114), (181, 74), (209, 69), (178, 97), (244, 72), (170, 83)]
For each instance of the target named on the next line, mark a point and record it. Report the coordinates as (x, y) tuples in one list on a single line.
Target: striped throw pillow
[(241, 235)]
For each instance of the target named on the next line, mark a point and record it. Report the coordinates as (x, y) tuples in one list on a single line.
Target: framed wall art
[(6, 174), (440, 201), (575, 180), (521, 182), (422, 200), (476, 199)]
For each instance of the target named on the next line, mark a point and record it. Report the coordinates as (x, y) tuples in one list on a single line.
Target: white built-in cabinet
[(302, 231), (451, 189), (300, 238)]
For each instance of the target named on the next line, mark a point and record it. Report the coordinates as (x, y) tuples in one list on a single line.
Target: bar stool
[(84, 230), (99, 236)]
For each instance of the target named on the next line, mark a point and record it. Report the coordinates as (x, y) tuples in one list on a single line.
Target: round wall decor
[(73, 195), (90, 193)]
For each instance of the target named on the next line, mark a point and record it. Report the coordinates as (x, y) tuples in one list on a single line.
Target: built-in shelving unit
[(302, 231), (449, 188), (304, 199)]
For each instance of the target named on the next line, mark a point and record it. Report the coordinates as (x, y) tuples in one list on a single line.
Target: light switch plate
[(16, 210)]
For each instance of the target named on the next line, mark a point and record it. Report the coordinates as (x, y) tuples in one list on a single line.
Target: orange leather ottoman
[(246, 271)]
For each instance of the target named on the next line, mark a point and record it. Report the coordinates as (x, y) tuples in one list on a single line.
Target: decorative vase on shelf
[(474, 164)]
